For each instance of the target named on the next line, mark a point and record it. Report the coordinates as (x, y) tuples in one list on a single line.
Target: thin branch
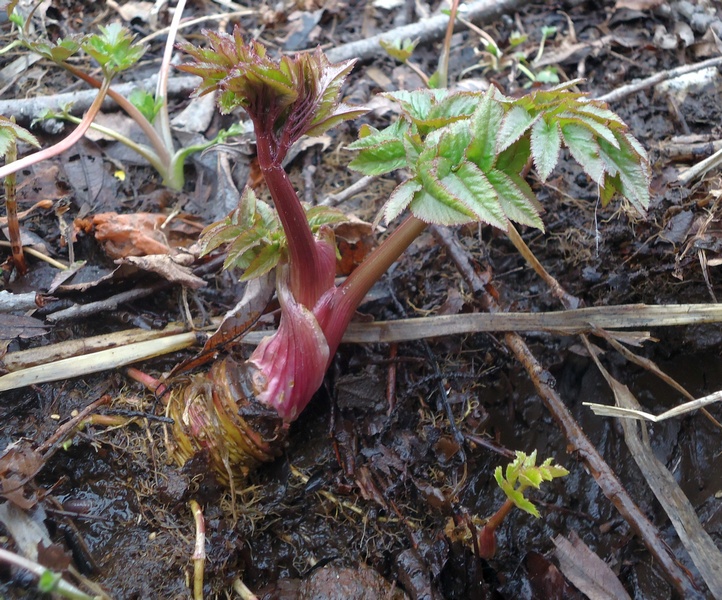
[(643, 84), (426, 31)]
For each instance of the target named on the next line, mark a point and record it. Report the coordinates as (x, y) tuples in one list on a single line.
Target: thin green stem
[(162, 121), (132, 111), (143, 150), (63, 588), (64, 144)]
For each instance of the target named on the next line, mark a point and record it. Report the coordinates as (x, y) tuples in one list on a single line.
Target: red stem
[(347, 298), (496, 519), (307, 281), (132, 111), (64, 144)]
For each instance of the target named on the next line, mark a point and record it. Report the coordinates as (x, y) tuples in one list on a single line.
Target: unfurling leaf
[(399, 49), (256, 241), (113, 48), (521, 474), (59, 51), (146, 103), (284, 98)]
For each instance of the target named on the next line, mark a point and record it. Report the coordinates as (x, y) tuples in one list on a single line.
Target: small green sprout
[(520, 475)]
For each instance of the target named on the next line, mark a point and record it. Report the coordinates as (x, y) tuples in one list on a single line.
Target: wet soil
[(372, 494)]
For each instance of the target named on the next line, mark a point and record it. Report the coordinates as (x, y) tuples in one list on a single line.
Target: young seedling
[(465, 154), (520, 475), (149, 111), (114, 51), (10, 133)]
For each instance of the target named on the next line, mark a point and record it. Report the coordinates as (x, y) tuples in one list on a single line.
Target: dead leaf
[(28, 531), (545, 579), (139, 234), (18, 326), (18, 464), (589, 573), (133, 10), (354, 240), (167, 267)]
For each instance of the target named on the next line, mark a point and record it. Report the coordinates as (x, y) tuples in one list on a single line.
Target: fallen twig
[(701, 168), (27, 109), (161, 342), (603, 410), (648, 82), (425, 31)]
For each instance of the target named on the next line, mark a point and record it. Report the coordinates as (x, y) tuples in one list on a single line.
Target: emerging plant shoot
[(467, 155)]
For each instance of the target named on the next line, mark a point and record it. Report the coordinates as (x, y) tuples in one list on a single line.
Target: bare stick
[(643, 84), (604, 410), (25, 110), (426, 30)]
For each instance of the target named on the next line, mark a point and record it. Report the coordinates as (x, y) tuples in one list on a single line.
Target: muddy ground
[(373, 480)]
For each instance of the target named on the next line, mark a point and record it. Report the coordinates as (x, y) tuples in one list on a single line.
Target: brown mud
[(365, 499)]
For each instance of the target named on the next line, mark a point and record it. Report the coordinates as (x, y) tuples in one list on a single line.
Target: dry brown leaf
[(18, 326), (18, 464), (167, 267), (133, 10), (589, 573), (138, 234)]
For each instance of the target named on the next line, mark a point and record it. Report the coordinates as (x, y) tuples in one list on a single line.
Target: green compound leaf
[(468, 153), (438, 204), (485, 124), (113, 48), (585, 149), (516, 199), (515, 124), (380, 151), (469, 184), (633, 174), (524, 472), (453, 142), (263, 262), (254, 235), (400, 198), (546, 142)]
